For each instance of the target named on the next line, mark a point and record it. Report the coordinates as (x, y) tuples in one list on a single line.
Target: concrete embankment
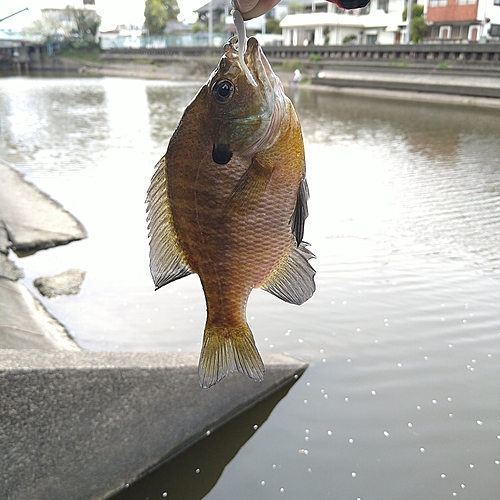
[(79, 424)]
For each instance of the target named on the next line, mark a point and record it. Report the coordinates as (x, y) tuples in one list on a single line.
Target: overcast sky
[(113, 12)]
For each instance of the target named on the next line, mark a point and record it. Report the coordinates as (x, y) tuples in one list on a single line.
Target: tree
[(85, 22), (158, 13), (419, 28)]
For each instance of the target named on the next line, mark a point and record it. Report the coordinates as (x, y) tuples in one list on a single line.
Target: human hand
[(255, 8)]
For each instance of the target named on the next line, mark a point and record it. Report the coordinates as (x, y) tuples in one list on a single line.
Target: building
[(323, 23), (463, 20)]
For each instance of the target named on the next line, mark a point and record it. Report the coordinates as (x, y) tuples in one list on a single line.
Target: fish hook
[(242, 42)]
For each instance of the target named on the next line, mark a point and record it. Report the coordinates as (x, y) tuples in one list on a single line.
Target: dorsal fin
[(300, 212), (166, 259)]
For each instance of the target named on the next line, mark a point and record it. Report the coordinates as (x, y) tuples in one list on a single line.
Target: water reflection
[(403, 328), (193, 473)]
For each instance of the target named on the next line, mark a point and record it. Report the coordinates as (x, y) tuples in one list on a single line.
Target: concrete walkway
[(433, 82), (79, 424)]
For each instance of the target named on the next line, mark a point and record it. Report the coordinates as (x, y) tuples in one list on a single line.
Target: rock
[(33, 220), (9, 270), (67, 283)]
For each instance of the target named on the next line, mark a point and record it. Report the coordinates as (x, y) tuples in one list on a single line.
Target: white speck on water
[(443, 319), (450, 415), (266, 339), (295, 377), (376, 341), (255, 427), (287, 333), (282, 490), (208, 433), (471, 466), (374, 393), (164, 494), (306, 438), (309, 470), (474, 360), (419, 407), (449, 399), (308, 384), (434, 402), (410, 424), (305, 401), (358, 329), (426, 358), (462, 486), (329, 433), (450, 346), (325, 396), (386, 434), (464, 321), (301, 341), (422, 449), (454, 493), (443, 476), (479, 422), (400, 365), (304, 452), (197, 471), (322, 350), (148, 321), (344, 302), (346, 400), (490, 355), (349, 360), (323, 360), (351, 440), (353, 474), (307, 431), (263, 483), (274, 466)]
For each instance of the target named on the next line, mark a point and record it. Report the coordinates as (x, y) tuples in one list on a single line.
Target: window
[(496, 2), (438, 3), (384, 5), (445, 32), (466, 2)]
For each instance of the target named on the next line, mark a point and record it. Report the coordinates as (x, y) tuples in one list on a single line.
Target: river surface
[(401, 399)]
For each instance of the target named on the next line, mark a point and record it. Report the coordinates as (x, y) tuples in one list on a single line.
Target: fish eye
[(223, 90)]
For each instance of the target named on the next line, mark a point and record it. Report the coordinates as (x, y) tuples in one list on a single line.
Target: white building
[(379, 22)]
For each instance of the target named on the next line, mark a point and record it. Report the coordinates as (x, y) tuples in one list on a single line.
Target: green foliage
[(314, 58), (295, 8), (157, 13), (198, 26), (419, 28), (85, 22), (349, 39), (416, 11), (273, 26), (443, 65)]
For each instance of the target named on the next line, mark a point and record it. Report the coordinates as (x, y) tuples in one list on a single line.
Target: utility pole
[(409, 12), (211, 24)]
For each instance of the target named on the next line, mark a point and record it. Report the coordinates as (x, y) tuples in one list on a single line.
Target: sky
[(113, 12)]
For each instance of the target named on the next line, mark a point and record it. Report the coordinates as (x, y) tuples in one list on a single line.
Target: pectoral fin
[(166, 259), (250, 187), (293, 279)]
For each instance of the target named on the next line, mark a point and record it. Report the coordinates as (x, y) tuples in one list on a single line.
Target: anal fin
[(293, 279)]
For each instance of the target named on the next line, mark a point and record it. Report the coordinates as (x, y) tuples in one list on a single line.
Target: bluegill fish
[(228, 202)]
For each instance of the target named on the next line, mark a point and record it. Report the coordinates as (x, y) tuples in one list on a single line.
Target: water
[(401, 397)]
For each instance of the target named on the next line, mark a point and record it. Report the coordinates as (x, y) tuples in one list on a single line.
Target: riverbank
[(420, 84)]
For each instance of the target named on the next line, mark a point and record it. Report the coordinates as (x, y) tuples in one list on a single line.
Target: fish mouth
[(256, 61)]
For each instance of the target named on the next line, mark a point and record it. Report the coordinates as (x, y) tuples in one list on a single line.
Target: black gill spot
[(221, 154)]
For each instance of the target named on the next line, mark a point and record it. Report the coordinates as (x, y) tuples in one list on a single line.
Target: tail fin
[(228, 349)]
